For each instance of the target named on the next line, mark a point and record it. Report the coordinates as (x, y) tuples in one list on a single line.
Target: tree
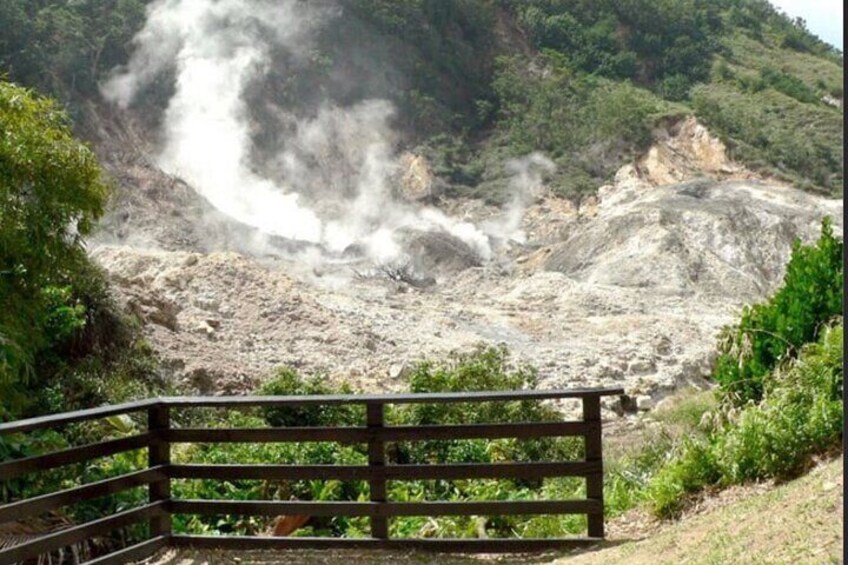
[(51, 192)]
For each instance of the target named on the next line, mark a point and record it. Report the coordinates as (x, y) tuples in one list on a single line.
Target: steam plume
[(331, 183), (526, 184)]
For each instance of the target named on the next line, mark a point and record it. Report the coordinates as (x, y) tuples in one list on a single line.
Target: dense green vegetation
[(64, 343), (66, 47), (597, 76), (801, 415), (773, 332), (479, 81), (485, 369), (776, 134), (780, 386), (60, 334)]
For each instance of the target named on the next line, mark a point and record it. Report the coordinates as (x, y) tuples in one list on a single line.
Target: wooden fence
[(160, 436)]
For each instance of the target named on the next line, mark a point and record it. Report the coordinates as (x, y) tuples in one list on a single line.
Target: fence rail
[(161, 506)]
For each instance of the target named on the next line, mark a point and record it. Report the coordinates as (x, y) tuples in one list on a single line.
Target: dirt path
[(330, 557)]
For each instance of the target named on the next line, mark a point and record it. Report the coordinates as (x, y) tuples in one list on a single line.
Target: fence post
[(159, 453), (594, 482), (376, 458)]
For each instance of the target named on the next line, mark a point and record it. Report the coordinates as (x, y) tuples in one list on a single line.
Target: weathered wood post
[(377, 459), (159, 454), (594, 453)]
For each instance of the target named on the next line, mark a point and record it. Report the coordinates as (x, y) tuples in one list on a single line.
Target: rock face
[(417, 181), (438, 254), (730, 238), (155, 210), (685, 149), (633, 297)]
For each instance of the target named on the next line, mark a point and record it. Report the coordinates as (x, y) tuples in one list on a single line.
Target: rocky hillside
[(475, 82), (349, 185), (629, 288)]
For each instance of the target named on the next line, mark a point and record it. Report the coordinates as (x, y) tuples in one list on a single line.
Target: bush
[(675, 87), (288, 383), (692, 470), (316, 453), (64, 344), (486, 368), (801, 415), (67, 47), (788, 85), (774, 331), (51, 192)]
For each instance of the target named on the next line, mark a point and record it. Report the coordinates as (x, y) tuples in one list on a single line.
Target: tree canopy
[(51, 192)]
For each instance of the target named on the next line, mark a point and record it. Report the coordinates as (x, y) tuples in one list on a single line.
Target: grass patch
[(822, 74), (798, 522), (776, 134), (684, 411)]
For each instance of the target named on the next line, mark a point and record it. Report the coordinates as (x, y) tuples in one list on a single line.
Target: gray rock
[(644, 403)]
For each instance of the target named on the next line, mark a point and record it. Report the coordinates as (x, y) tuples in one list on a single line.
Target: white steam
[(217, 50), (526, 184), (332, 183)]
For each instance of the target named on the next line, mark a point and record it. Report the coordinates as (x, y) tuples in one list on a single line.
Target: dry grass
[(798, 522)]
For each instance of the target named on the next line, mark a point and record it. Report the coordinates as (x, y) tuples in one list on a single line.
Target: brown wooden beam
[(374, 509), (159, 454), (594, 482), (18, 467), (410, 398), (490, 545), (377, 461), (64, 538), (521, 430), (388, 472), (41, 504), (132, 554), (55, 420)]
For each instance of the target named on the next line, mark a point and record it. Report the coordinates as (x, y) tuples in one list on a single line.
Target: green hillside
[(477, 81)]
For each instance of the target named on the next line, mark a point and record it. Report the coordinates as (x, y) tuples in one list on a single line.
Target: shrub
[(693, 469), (485, 369), (788, 85), (49, 185), (675, 87), (326, 453), (287, 382), (774, 331), (800, 415), (58, 323)]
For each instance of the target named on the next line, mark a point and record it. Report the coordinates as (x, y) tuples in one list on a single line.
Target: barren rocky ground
[(629, 288)]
